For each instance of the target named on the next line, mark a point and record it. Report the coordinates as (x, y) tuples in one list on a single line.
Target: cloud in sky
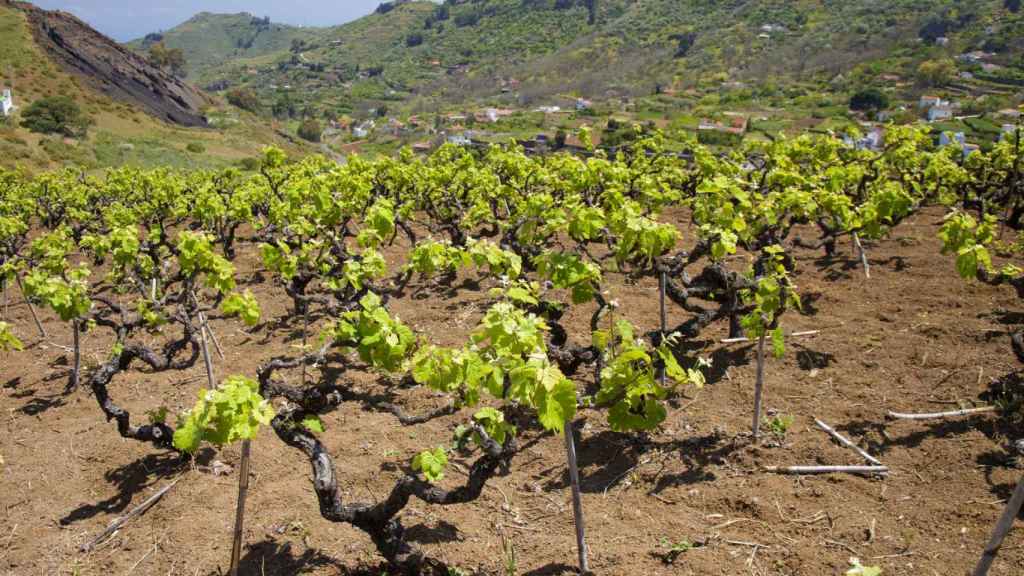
[(129, 19)]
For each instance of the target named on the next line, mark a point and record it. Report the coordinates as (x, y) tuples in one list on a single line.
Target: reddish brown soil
[(913, 338)]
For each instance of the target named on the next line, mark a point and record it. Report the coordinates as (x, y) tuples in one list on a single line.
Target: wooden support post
[(243, 491), (863, 256), (213, 337), (663, 279), (31, 308), (1001, 530), (76, 368), (759, 385), (577, 503), (305, 340)]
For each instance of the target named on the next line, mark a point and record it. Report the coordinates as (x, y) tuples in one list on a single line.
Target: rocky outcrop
[(112, 69)]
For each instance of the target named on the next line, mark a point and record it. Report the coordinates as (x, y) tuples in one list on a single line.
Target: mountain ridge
[(112, 69), (466, 50)]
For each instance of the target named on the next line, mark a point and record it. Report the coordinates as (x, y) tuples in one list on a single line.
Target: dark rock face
[(112, 69)]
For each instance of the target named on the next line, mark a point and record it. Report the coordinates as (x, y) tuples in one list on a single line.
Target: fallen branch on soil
[(864, 470), (936, 415), (846, 442), (793, 335), (135, 513)]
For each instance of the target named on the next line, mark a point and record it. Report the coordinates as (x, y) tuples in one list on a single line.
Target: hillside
[(209, 40), (463, 51), (109, 68), (140, 115)]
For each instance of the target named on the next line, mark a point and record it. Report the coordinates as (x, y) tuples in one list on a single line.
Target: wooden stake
[(31, 308), (661, 302), (937, 415), (243, 468), (210, 378), (845, 442), (863, 256), (77, 367), (1001, 530), (213, 338), (305, 339), (759, 385), (243, 490), (827, 469), (577, 503)]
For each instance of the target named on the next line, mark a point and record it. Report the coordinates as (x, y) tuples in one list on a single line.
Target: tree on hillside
[(244, 98), (284, 107), (684, 41), (936, 72), (869, 99), (310, 130), (934, 29), (56, 115), (172, 59)]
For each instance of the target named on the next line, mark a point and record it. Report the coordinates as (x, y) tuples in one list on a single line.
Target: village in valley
[(966, 109)]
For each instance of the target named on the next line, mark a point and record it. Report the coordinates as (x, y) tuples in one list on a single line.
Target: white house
[(959, 140), (936, 113), (363, 130), (583, 104), (460, 139), (873, 140), (931, 101), (7, 102), (947, 138)]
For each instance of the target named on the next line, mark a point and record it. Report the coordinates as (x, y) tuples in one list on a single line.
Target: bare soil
[(912, 338)]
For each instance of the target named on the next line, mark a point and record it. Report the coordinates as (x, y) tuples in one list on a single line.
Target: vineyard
[(793, 358)]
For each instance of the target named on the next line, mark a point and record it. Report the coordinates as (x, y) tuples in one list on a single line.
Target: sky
[(129, 19)]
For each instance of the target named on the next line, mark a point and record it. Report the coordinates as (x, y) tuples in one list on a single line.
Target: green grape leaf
[(313, 423), (8, 341), (778, 342), (556, 404), (493, 422), (244, 306), (431, 463), (231, 412)]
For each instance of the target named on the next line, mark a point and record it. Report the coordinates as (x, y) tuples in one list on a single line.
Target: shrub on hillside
[(310, 130), (936, 72), (244, 98), (56, 115), (869, 99)]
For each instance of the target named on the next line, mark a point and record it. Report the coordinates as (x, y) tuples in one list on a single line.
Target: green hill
[(208, 40), (45, 54), (464, 50)]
